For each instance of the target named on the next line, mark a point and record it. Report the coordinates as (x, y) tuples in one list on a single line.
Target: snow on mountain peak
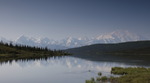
[(125, 36), (113, 37), (119, 36), (69, 40), (79, 38), (107, 36)]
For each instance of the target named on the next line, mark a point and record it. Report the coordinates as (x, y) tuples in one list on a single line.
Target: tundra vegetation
[(128, 75)]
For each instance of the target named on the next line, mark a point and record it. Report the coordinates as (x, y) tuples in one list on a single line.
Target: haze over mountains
[(70, 42)]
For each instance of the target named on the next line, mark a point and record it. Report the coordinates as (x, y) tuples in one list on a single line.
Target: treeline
[(10, 51)]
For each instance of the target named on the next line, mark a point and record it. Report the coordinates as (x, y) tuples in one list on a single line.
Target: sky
[(58, 19)]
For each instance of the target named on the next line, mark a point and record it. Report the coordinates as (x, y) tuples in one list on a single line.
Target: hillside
[(127, 47), (139, 50), (15, 52)]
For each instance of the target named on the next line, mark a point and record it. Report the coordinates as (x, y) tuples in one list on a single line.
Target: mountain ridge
[(70, 42)]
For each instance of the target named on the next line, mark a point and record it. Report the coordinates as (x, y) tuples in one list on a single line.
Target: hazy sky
[(57, 19)]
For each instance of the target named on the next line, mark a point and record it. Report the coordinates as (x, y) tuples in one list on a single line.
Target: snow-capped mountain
[(74, 42), (26, 40), (40, 42), (113, 37), (118, 36)]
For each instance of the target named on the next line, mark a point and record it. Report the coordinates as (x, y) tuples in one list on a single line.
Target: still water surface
[(55, 70)]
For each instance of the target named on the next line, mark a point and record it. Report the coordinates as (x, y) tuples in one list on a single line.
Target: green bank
[(128, 75), (15, 52)]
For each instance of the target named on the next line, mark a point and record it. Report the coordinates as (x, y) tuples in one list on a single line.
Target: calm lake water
[(55, 70)]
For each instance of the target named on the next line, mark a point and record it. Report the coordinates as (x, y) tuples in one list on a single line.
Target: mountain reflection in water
[(54, 70)]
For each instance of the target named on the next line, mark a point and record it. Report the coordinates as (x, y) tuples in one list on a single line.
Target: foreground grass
[(128, 75), (131, 75)]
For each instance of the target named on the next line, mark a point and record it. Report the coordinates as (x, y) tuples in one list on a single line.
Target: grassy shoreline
[(128, 75)]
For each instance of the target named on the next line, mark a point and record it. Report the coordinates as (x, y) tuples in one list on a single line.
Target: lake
[(55, 70)]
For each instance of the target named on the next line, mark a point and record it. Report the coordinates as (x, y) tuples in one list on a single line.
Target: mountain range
[(70, 42)]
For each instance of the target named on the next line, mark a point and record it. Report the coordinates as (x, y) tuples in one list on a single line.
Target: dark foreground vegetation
[(8, 51), (128, 75)]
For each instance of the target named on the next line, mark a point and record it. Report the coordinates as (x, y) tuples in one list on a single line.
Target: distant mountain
[(26, 41), (118, 36), (70, 42), (42, 42)]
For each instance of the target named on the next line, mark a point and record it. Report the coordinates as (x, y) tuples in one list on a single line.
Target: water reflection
[(71, 63), (54, 70)]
